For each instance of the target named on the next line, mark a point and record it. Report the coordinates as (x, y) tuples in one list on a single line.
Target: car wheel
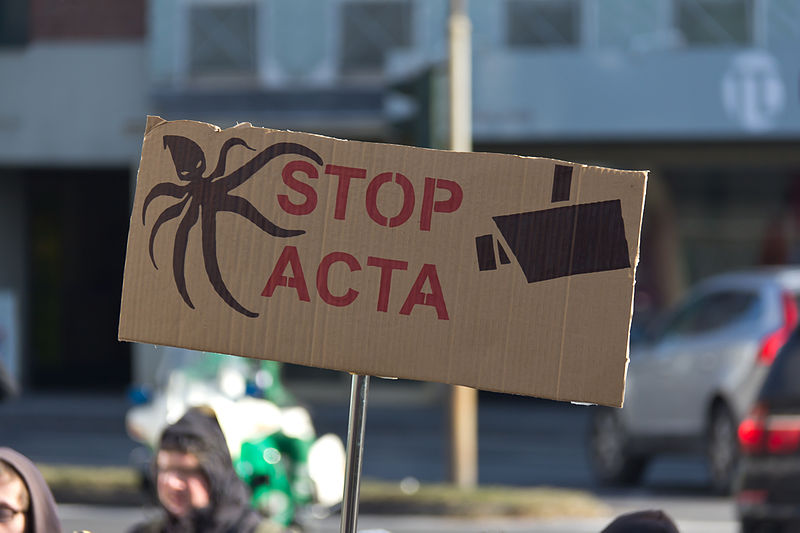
[(723, 449), (611, 461)]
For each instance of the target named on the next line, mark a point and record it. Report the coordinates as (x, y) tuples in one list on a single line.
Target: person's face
[(12, 516), (182, 487)]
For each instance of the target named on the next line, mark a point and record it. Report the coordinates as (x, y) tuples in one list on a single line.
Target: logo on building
[(753, 92)]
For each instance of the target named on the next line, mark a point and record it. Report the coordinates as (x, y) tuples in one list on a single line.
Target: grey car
[(694, 376)]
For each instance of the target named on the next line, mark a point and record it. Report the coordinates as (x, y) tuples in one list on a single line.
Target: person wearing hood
[(197, 486), (650, 521), (26, 503)]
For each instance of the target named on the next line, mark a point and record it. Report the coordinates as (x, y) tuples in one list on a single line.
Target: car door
[(718, 335), (651, 374), (686, 364)]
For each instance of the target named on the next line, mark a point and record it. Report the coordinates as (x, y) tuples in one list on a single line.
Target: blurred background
[(704, 93)]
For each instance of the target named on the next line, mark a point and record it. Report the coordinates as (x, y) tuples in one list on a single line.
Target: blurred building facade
[(73, 94), (702, 92)]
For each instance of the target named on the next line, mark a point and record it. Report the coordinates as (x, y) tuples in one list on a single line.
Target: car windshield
[(705, 313)]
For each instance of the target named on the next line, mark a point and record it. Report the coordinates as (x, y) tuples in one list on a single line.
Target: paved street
[(693, 515), (68, 429)]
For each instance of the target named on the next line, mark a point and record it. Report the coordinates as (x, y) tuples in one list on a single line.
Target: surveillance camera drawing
[(560, 241)]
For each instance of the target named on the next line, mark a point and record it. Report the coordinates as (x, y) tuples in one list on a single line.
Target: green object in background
[(275, 468)]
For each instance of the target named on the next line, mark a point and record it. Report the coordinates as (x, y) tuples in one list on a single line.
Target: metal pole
[(460, 73), (355, 450), (463, 401)]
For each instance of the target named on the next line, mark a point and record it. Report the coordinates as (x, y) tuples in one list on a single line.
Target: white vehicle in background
[(272, 441), (695, 374)]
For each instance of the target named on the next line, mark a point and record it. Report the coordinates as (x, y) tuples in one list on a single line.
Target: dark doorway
[(78, 222)]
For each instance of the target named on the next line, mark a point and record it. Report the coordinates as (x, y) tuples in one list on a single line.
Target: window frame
[(752, 11), (188, 6), (15, 23), (578, 33)]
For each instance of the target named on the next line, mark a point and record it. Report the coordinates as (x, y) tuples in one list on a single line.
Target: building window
[(370, 30), (714, 22), (542, 23), (14, 21), (222, 40)]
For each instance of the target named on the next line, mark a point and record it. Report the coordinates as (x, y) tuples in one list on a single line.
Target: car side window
[(711, 312)]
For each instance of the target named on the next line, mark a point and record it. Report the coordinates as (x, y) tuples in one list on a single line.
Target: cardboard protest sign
[(505, 273)]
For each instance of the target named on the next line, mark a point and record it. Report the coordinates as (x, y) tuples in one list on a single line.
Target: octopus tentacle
[(240, 206), (163, 189), (223, 155), (179, 254), (246, 171), (209, 231), (167, 215)]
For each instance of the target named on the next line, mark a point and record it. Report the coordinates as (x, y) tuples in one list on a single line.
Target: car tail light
[(775, 340), (771, 434), (751, 431), (751, 497), (783, 435)]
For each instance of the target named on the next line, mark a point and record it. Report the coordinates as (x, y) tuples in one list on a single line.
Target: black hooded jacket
[(650, 521), (198, 432), (42, 515)]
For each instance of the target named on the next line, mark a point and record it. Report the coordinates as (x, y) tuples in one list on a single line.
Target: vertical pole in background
[(355, 449), (463, 400), (460, 76)]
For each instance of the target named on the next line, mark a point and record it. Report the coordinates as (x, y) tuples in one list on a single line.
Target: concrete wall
[(62, 104), (72, 103), (87, 19)]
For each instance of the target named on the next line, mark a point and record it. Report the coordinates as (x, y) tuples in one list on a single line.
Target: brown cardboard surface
[(499, 272)]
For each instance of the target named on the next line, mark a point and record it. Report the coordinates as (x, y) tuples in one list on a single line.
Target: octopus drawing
[(202, 197)]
